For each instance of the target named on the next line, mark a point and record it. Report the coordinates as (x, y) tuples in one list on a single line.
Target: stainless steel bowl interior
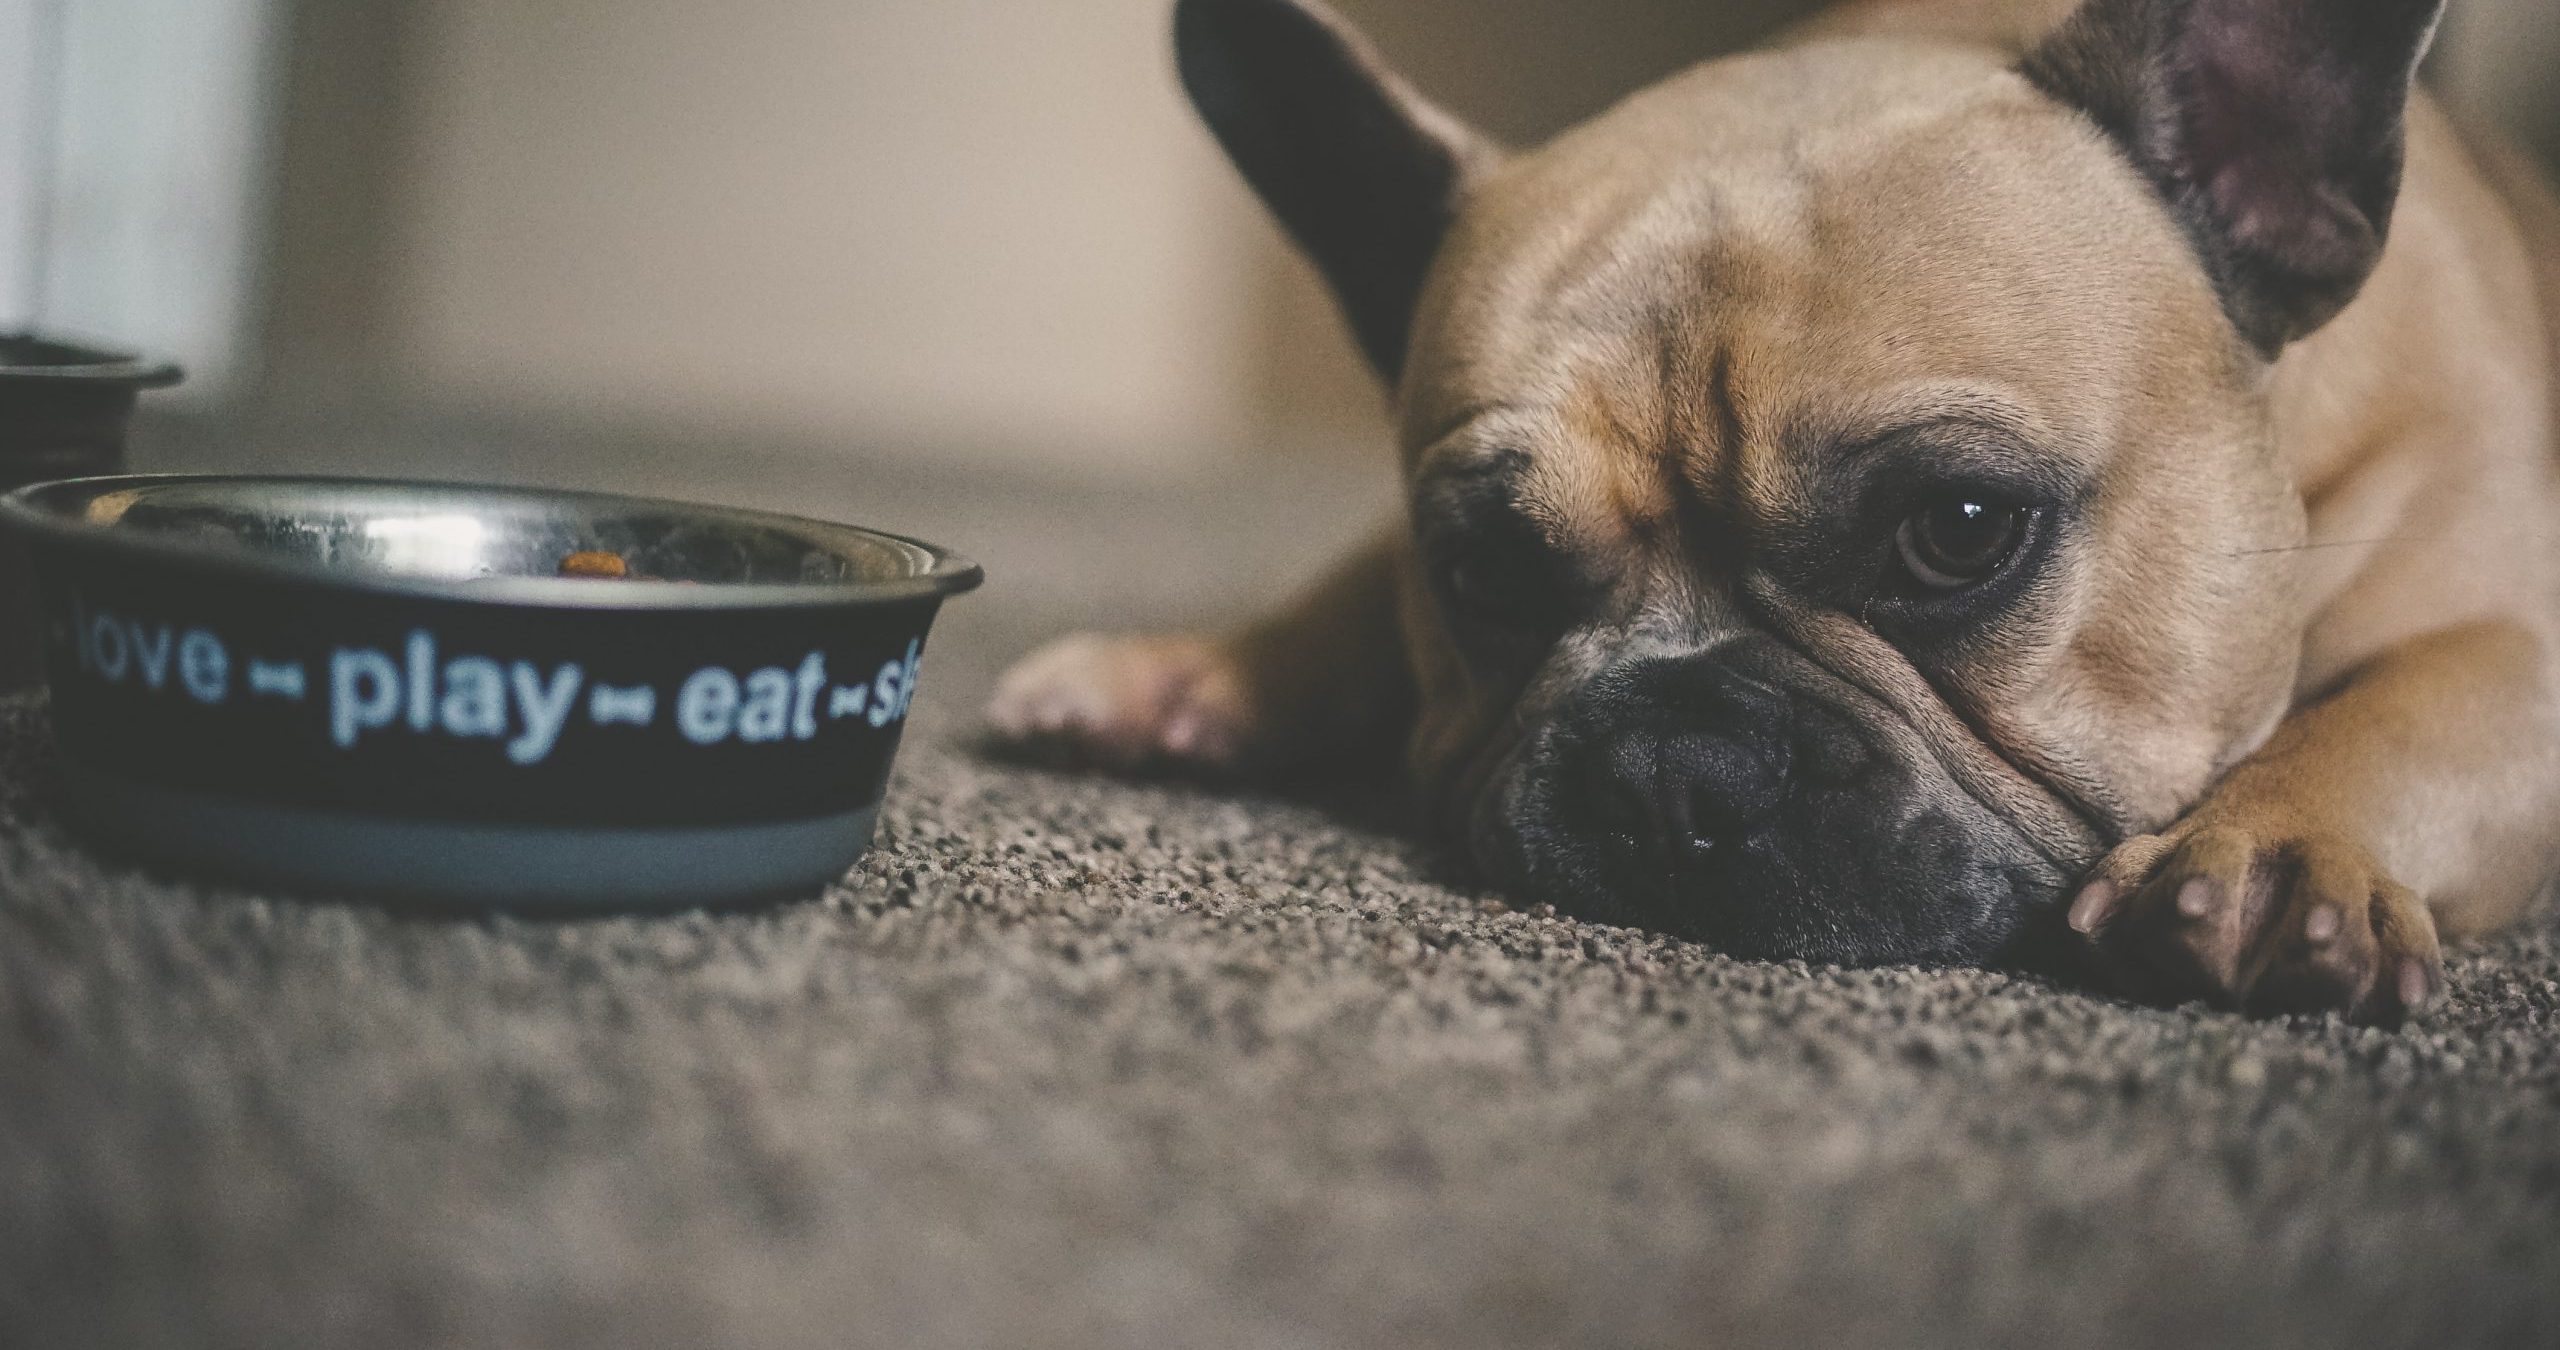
[(440, 535)]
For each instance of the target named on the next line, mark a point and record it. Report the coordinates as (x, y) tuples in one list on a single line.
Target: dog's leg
[(2416, 801), (1321, 682)]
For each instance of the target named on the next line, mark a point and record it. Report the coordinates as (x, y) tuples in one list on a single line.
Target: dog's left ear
[(1365, 173), (2273, 128)]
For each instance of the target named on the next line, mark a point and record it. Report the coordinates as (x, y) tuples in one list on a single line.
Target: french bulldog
[(1978, 478)]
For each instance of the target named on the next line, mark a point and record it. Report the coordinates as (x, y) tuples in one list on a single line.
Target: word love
[(116, 649)]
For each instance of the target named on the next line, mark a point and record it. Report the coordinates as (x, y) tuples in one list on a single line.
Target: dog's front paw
[(1129, 704), (2250, 915)]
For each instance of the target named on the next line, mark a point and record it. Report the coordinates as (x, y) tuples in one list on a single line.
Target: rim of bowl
[(81, 362), (33, 511)]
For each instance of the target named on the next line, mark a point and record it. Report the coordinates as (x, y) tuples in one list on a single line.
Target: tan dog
[(1972, 475)]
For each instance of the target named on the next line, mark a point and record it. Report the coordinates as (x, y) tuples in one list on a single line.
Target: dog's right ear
[(1365, 174), (2274, 129)]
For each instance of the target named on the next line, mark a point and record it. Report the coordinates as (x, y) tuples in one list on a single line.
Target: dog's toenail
[(2413, 984), (2323, 923), (2195, 899), (2090, 910)]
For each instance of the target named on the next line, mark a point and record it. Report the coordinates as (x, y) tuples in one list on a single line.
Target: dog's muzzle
[(1743, 797)]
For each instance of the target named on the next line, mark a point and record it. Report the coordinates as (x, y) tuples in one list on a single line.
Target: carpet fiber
[(1089, 1064)]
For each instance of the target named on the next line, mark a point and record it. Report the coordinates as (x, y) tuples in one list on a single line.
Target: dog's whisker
[(2379, 541)]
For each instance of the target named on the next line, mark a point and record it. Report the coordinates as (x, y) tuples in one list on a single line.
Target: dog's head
[(1843, 492)]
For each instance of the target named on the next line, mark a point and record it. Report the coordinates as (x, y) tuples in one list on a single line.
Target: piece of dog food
[(595, 563)]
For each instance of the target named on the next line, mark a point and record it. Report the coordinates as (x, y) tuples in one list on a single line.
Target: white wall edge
[(22, 130), (155, 231)]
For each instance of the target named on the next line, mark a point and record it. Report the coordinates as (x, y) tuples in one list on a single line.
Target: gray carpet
[(1086, 1064)]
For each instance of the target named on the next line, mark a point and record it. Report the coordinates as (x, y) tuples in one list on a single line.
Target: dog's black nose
[(1687, 760), (1685, 792)]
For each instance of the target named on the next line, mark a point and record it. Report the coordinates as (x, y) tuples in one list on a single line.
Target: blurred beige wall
[(2499, 58), (962, 222), (970, 228)]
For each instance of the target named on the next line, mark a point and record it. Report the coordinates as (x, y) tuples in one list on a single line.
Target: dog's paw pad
[(1125, 703), (2270, 920)]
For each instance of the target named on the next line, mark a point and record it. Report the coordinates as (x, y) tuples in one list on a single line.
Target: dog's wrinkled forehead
[(1798, 250)]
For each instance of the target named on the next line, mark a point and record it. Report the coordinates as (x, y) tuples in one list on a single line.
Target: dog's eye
[(1475, 586), (1508, 586), (1958, 540)]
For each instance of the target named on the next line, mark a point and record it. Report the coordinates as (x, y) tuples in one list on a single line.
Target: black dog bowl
[(64, 407), (411, 690)]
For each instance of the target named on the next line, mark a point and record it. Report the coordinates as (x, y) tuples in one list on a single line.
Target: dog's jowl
[(1973, 481)]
